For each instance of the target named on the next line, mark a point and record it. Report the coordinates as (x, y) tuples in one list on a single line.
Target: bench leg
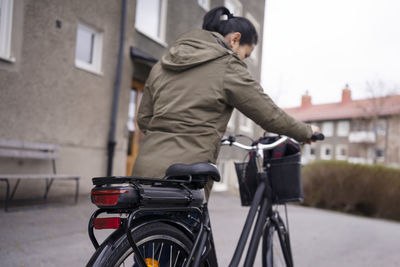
[(7, 194), (76, 190), (14, 189), (48, 185)]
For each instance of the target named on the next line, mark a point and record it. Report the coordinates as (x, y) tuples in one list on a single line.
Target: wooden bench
[(35, 151)]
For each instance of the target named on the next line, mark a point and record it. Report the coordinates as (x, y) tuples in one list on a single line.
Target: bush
[(367, 190)]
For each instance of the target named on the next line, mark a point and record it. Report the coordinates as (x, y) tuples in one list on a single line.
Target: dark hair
[(212, 22)]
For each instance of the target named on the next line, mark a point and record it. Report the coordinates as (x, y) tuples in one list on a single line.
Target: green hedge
[(367, 190)]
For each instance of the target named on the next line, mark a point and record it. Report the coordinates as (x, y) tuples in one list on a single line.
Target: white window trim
[(237, 4), (381, 127), (323, 149), (232, 121), (6, 30), (204, 5), (256, 52), (324, 125), (338, 156), (163, 19), (312, 156), (95, 67), (245, 124), (306, 154), (340, 126)]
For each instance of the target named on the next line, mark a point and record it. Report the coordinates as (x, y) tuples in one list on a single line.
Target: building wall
[(362, 142), (393, 141), (46, 98)]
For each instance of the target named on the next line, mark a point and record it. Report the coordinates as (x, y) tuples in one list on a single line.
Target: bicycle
[(165, 222)]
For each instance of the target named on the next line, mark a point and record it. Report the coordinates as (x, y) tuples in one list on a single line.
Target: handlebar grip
[(318, 137)]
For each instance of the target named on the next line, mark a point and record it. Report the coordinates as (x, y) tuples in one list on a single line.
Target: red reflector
[(107, 223), (107, 197), (106, 200)]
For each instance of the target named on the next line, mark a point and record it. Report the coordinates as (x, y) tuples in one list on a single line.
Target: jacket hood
[(194, 48)]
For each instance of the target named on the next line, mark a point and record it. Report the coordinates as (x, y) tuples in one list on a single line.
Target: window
[(308, 154), (151, 19), (205, 4), (326, 152), (234, 6), (6, 11), (343, 128), (255, 54), (381, 127), (89, 46), (232, 121), (312, 152), (132, 111), (341, 152), (327, 128), (245, 124), (380, 153)]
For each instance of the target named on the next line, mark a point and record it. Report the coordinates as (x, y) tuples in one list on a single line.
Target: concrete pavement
[(56, 235)]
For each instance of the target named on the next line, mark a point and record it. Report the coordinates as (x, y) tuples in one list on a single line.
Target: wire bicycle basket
[(284, 173)]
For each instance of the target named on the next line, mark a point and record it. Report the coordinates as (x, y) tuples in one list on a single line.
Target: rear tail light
[(107, 198), (115, 197), (107, 223)]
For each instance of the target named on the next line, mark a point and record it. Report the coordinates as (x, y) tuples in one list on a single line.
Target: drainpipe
[(117, 85)]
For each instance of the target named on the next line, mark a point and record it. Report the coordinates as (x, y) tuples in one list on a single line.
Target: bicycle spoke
[(153, 254), (177, 256), (159, 255), (170, 256)]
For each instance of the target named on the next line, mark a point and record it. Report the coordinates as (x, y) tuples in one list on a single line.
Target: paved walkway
[(56, 235)]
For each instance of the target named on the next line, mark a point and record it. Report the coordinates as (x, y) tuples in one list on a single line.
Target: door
[(134, 133)]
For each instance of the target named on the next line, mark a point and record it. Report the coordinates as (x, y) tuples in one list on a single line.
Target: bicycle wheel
[(276, 246), (160, 244)]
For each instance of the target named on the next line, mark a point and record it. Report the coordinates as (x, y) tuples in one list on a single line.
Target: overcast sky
[(319, 45)]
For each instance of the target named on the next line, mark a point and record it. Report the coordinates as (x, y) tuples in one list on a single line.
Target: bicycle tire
[(276, 246), (167, 245)]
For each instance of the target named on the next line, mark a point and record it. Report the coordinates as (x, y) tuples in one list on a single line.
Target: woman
[(190, 95)]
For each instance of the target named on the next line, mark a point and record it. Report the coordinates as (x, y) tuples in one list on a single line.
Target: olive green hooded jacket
[(188, 100)]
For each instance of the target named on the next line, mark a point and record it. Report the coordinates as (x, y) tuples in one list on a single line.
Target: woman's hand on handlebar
[(316, 134)]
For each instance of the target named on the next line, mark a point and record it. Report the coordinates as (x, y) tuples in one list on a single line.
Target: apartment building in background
[(60, 82), (365, 131)]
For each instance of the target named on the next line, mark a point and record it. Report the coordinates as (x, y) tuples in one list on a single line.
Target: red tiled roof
[(389, 105)]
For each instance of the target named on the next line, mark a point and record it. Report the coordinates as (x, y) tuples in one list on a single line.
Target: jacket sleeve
[(145, 112), (245, 94)]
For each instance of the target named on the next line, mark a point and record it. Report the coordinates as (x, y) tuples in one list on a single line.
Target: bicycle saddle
[(196, 170)]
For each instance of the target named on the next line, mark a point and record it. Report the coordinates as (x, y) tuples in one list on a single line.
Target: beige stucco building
[(365, 131)]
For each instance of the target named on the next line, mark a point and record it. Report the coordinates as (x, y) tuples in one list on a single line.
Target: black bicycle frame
[(261, 200), (261, 204)]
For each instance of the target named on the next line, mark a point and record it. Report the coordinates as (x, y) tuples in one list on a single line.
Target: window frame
[(204, 4), (338, 155), (339, 130), (381, 127), (97, 52), (232, 121), (324, 128), (255, 55), (6, 21), (237, 4), (162, 21), (245, 124), (323, 155), (312, 156)]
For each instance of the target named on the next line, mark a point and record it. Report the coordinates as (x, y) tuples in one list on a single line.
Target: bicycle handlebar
[(317, 137), (231, 141)]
